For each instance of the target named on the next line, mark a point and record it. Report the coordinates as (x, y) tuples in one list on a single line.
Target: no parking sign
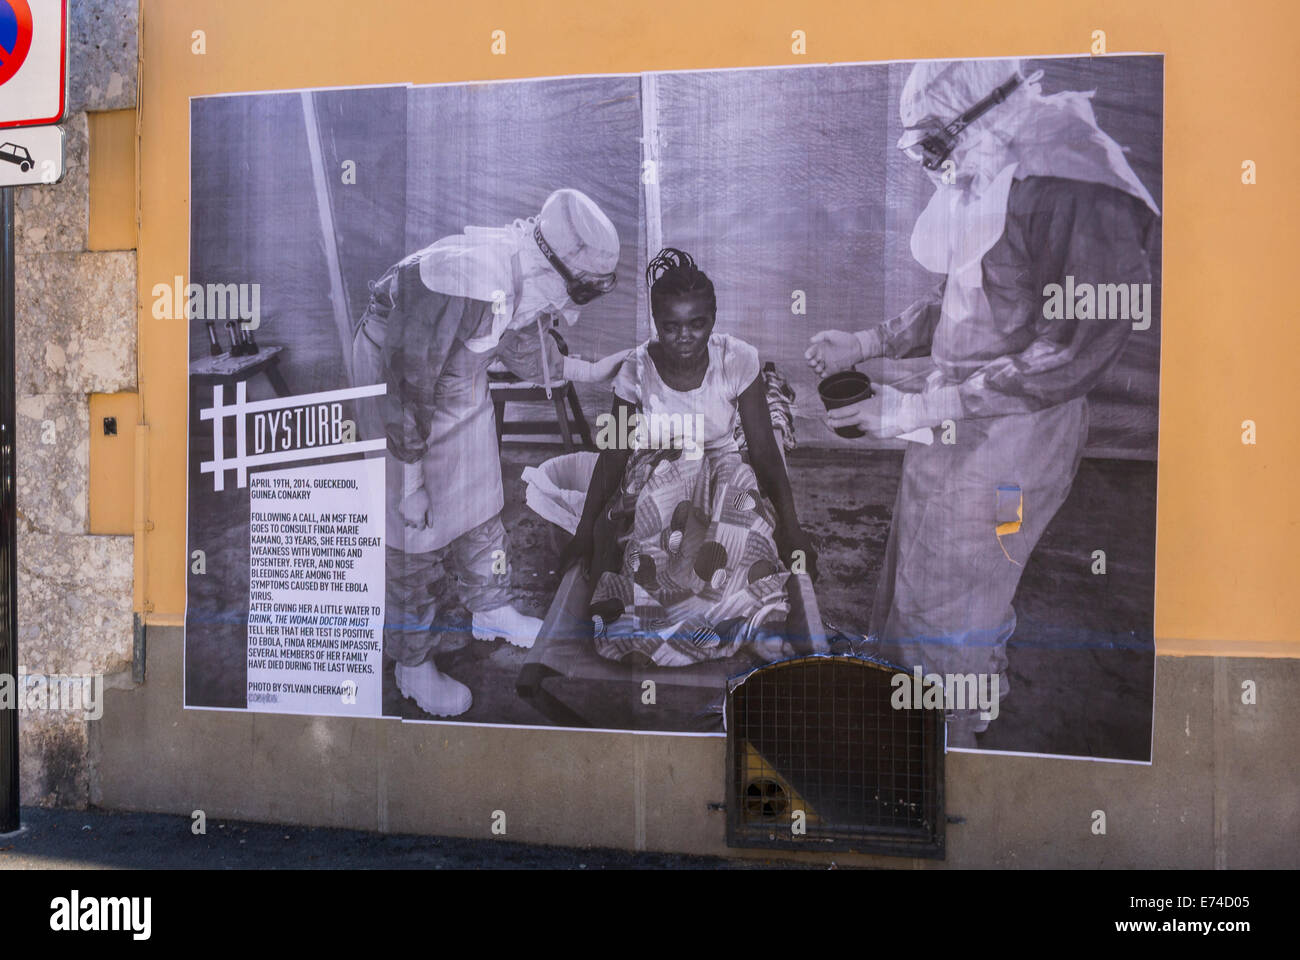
[(33, 89)]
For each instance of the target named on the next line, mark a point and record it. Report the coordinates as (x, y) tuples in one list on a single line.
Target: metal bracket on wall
[(137, 648)]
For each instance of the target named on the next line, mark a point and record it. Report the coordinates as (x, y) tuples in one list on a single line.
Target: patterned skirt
[(687, 569)]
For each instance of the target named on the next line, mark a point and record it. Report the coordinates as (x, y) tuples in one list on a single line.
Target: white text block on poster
[(316, 589)]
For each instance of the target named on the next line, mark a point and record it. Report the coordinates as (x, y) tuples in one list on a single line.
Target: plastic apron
[(462, 465), (944, 596)]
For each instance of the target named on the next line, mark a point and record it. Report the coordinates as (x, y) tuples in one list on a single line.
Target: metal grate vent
[(818, 758)]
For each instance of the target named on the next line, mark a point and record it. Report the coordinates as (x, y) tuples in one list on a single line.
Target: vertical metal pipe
[(650, 174), (328, 233), (9, 820)]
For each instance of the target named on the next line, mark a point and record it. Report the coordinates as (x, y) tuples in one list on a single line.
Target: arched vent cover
[(817, 758)]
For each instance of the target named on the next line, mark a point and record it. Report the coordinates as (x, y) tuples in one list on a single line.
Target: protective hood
[(1037, 135), (492, 263), (1061, 139)]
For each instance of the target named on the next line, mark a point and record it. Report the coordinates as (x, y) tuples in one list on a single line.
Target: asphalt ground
[(294, 898), (110, 840)]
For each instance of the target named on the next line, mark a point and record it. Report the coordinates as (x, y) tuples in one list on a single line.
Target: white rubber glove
[(871, 343), (415, 509), (412, 478), (892, 413), (583, 371), (831, 351)]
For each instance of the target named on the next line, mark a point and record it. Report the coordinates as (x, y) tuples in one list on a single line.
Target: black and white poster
[(558, 402)]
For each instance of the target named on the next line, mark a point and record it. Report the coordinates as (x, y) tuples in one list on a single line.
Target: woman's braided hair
[(672, 273)]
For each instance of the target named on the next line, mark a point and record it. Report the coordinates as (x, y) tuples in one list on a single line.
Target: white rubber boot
[(433, 692), (505, 623)]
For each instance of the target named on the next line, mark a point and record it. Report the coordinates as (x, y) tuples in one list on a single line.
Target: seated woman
[(690, 548)]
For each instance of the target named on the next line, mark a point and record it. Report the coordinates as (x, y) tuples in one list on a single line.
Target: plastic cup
[(842, 389)]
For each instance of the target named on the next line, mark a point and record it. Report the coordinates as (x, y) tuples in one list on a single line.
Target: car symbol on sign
[(16, 155)]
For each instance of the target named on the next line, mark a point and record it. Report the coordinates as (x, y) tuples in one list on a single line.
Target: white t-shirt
[(733, 366)]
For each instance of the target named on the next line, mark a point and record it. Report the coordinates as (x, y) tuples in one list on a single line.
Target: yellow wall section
[(1228, 515), (112, 464), (112, 180)]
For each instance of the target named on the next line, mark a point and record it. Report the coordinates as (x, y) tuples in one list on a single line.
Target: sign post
[(8, 527), (33, 96)]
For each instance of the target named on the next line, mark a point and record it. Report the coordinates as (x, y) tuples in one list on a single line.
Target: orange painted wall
[(1229, 517)]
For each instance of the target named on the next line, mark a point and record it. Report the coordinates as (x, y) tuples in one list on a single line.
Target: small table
[(228, 371)]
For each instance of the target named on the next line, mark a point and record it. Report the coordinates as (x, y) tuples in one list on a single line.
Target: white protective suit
[(1041, 193), (435, 323)]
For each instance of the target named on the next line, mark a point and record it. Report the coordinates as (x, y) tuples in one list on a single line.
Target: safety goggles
[(580, 289), (930, 144)]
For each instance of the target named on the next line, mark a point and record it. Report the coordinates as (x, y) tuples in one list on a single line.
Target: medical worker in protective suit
[(1029, 191), (435, 322)]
